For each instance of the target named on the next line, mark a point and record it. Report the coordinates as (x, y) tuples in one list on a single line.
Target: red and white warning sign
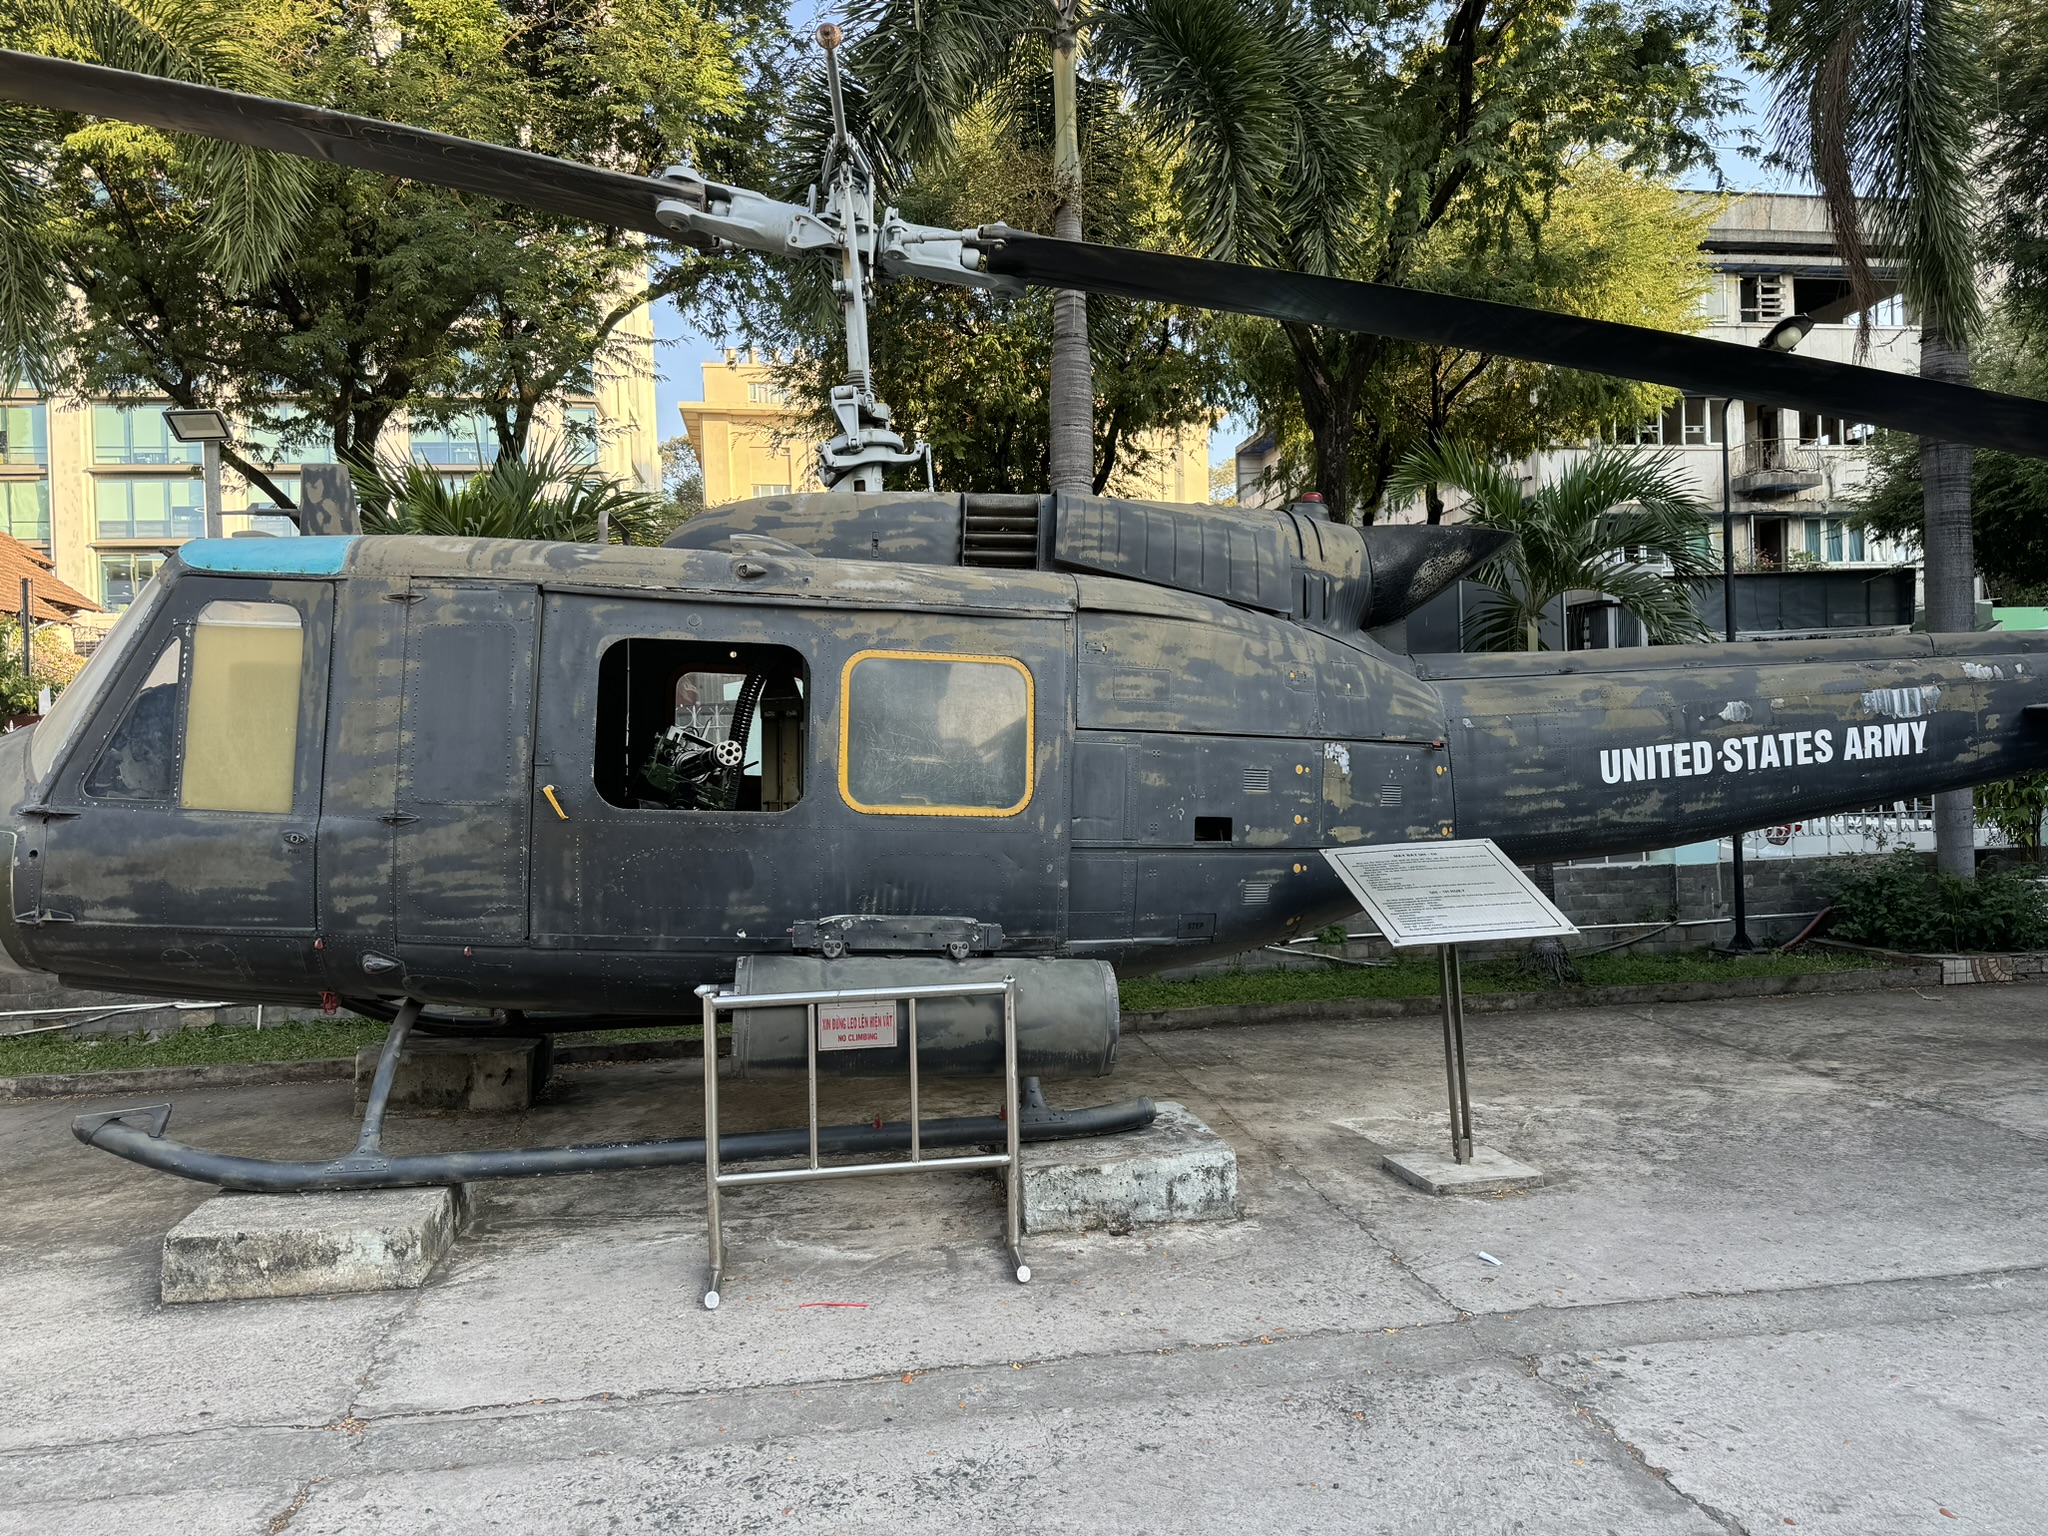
[(856, 1026)]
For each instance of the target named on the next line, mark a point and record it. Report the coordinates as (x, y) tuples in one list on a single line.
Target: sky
[(681, 349)]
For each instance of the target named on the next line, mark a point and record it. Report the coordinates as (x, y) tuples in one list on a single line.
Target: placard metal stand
[(1453, 987), (1448, 894)]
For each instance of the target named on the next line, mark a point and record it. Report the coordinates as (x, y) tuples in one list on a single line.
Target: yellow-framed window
[(925, 733)]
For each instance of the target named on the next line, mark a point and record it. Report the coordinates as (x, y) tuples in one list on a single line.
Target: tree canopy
[(219, 277), (1612, 244), (1422, 144)]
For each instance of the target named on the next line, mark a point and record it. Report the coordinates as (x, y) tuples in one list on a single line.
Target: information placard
[(856, 1026), (1464, 892)]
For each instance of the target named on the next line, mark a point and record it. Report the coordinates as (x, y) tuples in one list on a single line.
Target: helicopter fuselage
[(384, 767)]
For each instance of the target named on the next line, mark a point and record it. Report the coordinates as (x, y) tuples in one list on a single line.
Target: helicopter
[(830, 738)]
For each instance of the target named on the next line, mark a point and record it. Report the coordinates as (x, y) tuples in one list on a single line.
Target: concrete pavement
[(1790, 1271)]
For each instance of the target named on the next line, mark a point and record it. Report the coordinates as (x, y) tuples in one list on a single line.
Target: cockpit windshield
[(76, 701)]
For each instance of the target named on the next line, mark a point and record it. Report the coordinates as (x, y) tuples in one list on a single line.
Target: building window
[(932, 735), (465, 441), (154, 508), (124, 575), (1891, 311), (698, 726), (1763, 298), (760, 393), (24, 434), (579, 432), (1813, 537), (267, 516), (1691, 419), (25, 505), (124, 434), (761, 489), (1834, 541), (1855, 543), (1831, 431)]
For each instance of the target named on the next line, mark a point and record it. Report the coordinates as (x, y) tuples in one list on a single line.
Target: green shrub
[(1897, 902)]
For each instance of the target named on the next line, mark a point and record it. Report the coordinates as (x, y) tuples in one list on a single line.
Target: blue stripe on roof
[(313, 555)]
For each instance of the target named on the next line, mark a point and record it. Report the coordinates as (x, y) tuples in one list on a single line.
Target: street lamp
[(209, 429), (1785, 336)]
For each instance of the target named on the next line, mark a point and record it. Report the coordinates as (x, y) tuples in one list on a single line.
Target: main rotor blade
[(318, 133), (1926, 407)]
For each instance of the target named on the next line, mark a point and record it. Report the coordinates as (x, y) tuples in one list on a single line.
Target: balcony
[(1772, 468)]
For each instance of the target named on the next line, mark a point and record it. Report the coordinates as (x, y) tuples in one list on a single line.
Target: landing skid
[(138, 1135)]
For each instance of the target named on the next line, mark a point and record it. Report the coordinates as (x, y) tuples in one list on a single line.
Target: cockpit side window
[(699, 726), (140, 759), (75, 703), (242, 706), (233, 745), (925, 734)]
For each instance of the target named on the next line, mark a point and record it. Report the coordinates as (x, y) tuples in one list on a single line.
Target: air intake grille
[(1258, 781), (1257, 892), (1390, 795), (1000, 531)]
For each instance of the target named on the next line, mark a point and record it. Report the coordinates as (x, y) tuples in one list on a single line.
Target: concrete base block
[(239, 1246), (1176, 1169), (1489, 1172), (445, 1074)]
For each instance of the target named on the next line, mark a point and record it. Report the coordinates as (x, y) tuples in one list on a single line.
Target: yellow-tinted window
[(242, 708), (936, 735)]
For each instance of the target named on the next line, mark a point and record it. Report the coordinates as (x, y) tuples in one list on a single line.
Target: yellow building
[(748, 444), (106, 492)]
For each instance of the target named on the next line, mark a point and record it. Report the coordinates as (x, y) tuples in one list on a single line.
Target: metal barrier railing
[(716, 1002)]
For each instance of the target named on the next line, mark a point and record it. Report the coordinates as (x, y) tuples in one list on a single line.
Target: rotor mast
[(846, 233), (866, 444)]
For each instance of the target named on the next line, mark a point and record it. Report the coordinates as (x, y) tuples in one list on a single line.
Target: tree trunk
[(1329, 371), (1072, 439), (1949, 572)]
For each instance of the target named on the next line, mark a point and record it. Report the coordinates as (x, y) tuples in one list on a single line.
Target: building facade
[(748, 443), (104, 491)]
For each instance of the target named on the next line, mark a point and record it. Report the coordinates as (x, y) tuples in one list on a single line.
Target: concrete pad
[(1844, 1432), (239, 1246), (474, 1075), (1490, 1172), (1176, 1169), (1482, 1451), (1790, 1266)]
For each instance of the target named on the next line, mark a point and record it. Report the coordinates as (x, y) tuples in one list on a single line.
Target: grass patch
[(1418, 978), (22, 1055)]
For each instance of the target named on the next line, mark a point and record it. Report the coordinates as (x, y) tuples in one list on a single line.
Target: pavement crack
[(281, 1521), (1605, 1433)]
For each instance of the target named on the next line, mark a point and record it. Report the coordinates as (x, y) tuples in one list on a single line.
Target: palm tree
[(542, 496), (1254, 99), (924, 64), (1613, 523), (1880, 101)]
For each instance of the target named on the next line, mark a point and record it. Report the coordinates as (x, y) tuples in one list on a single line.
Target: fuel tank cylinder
[(1066, 1018)]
